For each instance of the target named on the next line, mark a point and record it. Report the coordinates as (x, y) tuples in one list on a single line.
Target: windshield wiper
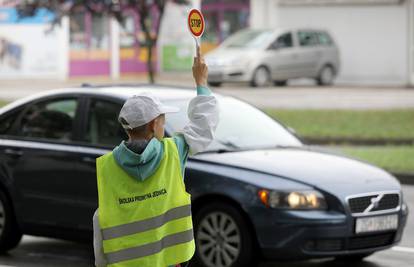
[(228, 143)]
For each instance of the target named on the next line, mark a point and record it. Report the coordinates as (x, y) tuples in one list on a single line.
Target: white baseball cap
[(141, 109)]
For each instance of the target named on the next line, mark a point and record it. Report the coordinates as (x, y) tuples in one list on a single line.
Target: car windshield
[(249, 39), (241, 127)]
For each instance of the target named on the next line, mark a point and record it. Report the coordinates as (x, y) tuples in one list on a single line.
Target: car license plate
[(378, 223)]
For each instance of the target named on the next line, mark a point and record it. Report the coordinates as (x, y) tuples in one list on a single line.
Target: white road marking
[(403, 249)]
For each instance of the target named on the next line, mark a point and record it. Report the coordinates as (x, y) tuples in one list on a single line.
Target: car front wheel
[(261, 77), (222, 237), (326, 76), (10, 234)]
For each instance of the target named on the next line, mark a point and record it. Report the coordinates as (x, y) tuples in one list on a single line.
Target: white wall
[(373, 39), (41, 51)]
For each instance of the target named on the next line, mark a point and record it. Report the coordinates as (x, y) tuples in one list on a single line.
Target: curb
[(405, 178)]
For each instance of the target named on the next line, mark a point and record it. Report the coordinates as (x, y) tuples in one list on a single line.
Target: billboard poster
[(28, 47)]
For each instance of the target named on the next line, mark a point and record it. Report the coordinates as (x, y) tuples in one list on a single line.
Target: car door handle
[(13, 152), (88, 159)]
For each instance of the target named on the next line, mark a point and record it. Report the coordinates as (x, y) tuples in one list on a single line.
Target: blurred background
[(375, 38), (365, 109)]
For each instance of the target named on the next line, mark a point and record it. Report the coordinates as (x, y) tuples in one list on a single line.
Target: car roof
[(120, 91)]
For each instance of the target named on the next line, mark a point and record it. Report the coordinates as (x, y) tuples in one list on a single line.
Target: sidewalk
[(303, 96)]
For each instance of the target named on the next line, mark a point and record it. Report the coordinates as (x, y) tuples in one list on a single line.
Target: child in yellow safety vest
[(144, 214)]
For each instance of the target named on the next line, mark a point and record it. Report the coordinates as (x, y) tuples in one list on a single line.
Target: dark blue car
[(257, 191)]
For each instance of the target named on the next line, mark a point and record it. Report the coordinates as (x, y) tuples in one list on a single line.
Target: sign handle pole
[(197, 46)]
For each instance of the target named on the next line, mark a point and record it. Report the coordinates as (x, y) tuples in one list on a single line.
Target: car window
[(283, 41), (307, 38), (7, 122), (52, 119), (324, 38), (255, 130), (248, 39), (103, 128)]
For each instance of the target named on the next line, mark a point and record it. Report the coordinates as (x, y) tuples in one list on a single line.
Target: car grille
[(385, 202), (353, 243)]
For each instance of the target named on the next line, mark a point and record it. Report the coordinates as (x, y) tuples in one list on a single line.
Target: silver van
[(261, 56)]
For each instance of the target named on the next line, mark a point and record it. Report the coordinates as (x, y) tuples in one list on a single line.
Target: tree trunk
[(150, 64), (143, 11)]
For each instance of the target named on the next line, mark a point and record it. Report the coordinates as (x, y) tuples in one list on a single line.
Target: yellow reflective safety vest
[(145, 223)]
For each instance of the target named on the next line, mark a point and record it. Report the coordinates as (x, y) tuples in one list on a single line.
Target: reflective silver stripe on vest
[(151, 248), (147, 224)]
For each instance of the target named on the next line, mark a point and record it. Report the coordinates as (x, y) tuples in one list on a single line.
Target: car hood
[(336, 174)]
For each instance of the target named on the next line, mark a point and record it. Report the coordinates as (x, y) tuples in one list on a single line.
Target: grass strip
[(355, 124), (3, 103), (398, 159)]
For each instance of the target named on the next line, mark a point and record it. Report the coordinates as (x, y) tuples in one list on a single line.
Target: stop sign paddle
[(196, 25)]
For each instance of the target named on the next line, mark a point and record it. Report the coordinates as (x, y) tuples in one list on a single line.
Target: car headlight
[(301, 200)]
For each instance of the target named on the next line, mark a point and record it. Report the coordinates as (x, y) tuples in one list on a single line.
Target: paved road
[(299, 95), (44, 252)]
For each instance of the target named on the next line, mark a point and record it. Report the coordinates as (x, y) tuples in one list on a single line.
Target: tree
[(114, 8)]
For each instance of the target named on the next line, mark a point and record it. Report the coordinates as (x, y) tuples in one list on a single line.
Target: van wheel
[(215, 84), (280, 83), (10, 234), (326, 76), (222, 237), (261, 77)]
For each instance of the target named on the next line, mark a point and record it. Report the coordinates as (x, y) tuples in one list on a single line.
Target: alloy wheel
[(218, 240)]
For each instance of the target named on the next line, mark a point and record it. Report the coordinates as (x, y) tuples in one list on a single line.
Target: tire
[(222, 237), (10, 234), (326, 76), (261, 77), (280, 83), (353, 258), (215, 84)]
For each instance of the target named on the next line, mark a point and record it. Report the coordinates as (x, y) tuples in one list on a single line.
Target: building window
[(100, 32), (89, 32), (223, 18), (78, 37)]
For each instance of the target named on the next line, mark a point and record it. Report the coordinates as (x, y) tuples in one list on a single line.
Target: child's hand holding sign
[(196, 27), (200, 70)]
